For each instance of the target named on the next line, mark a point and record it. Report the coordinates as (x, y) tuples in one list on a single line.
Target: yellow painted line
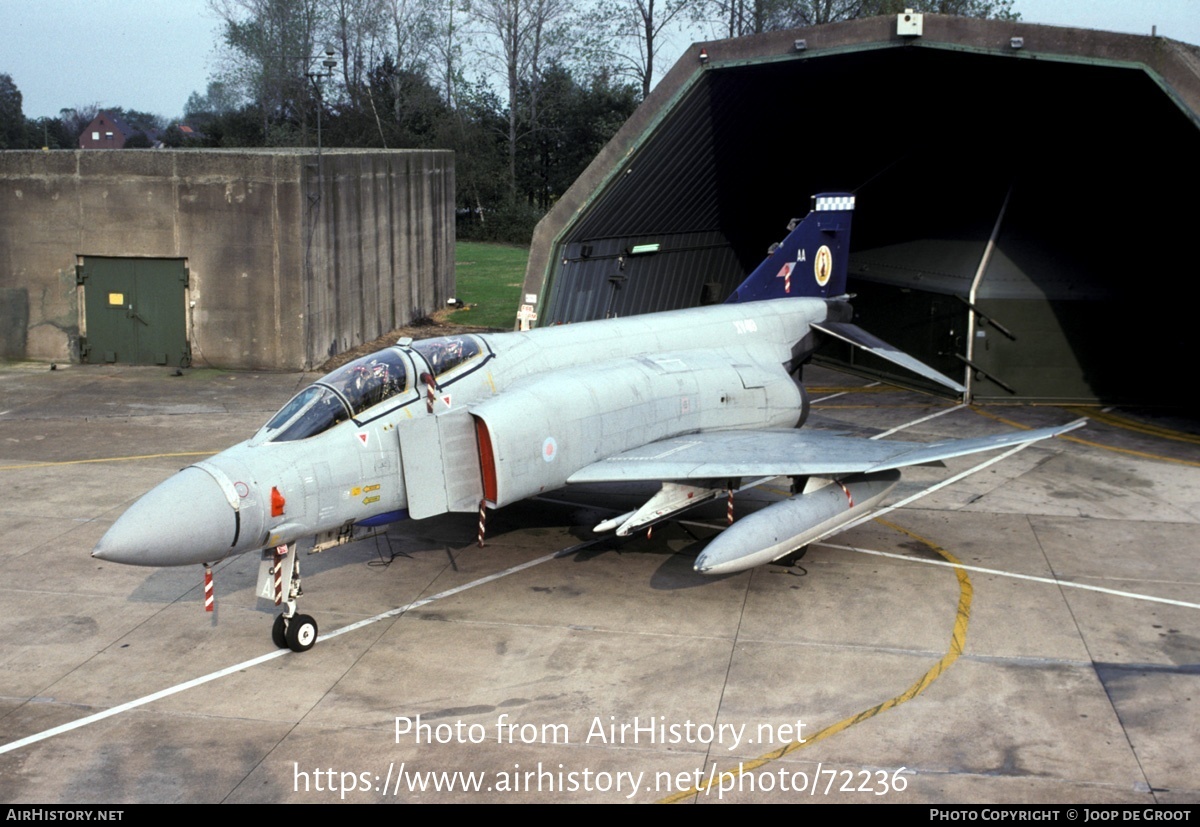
[(1131, 452), (1127, 424), (1090, 443), (105, 459), (958, 640)]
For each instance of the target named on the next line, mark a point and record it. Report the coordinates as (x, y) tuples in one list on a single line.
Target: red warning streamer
[(849, 496), (482, 520), (208, 589), (280, 553), (430, 385)]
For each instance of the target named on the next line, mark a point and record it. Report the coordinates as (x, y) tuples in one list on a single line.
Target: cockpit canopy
[(336, 397), (446, 353), (362, 384)]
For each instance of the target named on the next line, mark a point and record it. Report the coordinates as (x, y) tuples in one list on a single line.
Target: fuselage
[(445, 424)]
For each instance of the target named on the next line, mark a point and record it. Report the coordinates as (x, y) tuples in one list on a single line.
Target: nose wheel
[(297, 633)]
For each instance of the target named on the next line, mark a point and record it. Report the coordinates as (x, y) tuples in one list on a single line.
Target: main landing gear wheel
[(279, 632), (301, 633)]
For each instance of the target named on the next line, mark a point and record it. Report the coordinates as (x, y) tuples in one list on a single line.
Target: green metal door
[(135, 311)]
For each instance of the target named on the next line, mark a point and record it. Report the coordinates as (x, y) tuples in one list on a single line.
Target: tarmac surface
[(1059, 664)]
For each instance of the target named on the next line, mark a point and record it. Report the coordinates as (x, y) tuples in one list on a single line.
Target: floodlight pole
[(329, 63)]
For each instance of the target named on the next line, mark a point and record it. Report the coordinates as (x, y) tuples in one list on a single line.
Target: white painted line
[(416, 604), (278, 653), (919, 421), (866, 518), (938, 486), (842, 393), (1035, 579), (117, 710)]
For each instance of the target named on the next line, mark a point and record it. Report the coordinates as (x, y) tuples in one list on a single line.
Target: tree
[(49, 133), (409, 112), (146, 122), (639, 29), (522, 36), (577, 120), (218, 99), (12, 118), (359, 34), (237, 128), (138, 140), (414, 26), (271, 46)]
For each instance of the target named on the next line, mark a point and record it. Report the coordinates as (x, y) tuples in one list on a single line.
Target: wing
[(716, 455)]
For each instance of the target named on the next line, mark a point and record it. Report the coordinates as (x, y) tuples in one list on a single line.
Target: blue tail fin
[(811, 261)]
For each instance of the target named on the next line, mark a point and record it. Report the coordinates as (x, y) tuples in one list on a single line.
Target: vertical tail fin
[(811, 261)]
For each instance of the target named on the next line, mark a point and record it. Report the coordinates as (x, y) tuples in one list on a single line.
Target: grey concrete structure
[(287, 264), (1037, 675), (1069, 148)]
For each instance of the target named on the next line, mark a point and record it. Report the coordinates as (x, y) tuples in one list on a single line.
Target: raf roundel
[(823, 265), (549, 449)]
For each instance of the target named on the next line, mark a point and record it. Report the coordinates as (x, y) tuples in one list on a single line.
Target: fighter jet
[(703, 401)]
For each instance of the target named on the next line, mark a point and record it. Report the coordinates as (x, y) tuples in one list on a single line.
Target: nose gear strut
[(279, 574)]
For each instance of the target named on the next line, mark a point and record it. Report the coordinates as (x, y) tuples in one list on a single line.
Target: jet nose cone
[(184, 520)]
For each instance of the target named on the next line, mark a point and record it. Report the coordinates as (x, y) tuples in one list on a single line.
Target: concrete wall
[(383, 231), (286, 265)]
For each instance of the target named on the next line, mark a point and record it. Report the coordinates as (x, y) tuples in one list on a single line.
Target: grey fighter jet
[(703, 401)]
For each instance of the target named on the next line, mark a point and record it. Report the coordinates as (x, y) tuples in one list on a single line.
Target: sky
[(151, 55)]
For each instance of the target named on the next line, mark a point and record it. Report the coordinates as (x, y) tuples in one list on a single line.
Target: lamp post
[(314, 193), (316, 77)]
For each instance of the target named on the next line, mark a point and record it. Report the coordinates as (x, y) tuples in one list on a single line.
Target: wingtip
[(1071, 426)]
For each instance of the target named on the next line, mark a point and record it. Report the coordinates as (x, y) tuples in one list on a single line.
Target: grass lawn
[(489, 277)]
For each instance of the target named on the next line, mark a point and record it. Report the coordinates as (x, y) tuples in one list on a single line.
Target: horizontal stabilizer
[(855, 335), (717, 455)]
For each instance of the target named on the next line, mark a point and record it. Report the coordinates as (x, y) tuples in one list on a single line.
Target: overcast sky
[(151, 54)]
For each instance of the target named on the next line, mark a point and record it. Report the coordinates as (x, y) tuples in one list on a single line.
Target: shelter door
[(135, 310)]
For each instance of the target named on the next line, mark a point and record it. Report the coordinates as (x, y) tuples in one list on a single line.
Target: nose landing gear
[(279, 575)]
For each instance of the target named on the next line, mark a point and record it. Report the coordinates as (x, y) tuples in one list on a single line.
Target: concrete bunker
[(267, 259)]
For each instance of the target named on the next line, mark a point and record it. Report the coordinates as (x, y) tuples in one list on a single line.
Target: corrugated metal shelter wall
[(609, 282)]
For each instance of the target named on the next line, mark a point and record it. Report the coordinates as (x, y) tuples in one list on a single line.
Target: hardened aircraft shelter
[(1026, 195)]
